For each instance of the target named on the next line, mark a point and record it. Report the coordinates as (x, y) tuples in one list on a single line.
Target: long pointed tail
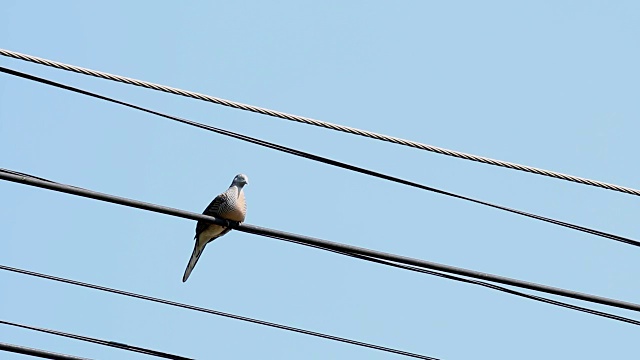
[(197, 251)]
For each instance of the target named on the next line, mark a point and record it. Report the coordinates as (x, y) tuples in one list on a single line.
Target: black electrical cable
[(113, 344), (214, 312), (307, 240), (479, 283), (325, 160), (446, 276), (37, 352)]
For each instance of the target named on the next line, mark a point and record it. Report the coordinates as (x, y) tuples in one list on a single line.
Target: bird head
[(240, 180)]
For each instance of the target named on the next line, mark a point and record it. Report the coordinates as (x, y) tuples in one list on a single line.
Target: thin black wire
[(214, 312), (37, 352), (113, 344), (310, 241), (476, 282), (324, 159)]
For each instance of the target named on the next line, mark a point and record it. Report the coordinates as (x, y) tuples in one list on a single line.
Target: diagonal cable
[(311, 241), (214, 312), (324, 159), (37, 352), (324, 124), (113, 344), (476, 282)]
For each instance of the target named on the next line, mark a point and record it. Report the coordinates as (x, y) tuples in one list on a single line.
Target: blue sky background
[(552, 84)]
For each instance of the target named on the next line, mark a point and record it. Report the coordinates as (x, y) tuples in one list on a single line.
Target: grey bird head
[(240, 180)]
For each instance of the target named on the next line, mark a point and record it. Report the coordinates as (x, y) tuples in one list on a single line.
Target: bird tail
[(197, 251)]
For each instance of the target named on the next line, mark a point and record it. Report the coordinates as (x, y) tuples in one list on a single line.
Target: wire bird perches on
[(214, 312), (363, 253), (324, 124), (324, 160), (113, 344), (481, 283)]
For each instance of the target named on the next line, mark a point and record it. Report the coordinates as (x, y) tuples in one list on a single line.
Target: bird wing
[(212, 210)]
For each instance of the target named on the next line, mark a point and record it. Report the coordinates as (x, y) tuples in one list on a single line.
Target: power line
[(323, 159), (324, 124), (167, 302), (214, 312), (113, 344), (310, 241), (37, 352), (435, 273), (485, 284)]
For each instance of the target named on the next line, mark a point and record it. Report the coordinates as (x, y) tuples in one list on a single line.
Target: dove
[(229, 205)]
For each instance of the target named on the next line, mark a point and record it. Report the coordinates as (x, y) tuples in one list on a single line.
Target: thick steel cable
[(310, 121), (37, 352), (213, 312), (311, 241), (113, 344), (322, 159)]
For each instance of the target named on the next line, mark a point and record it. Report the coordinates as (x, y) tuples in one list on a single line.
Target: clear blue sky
[(552, 84)]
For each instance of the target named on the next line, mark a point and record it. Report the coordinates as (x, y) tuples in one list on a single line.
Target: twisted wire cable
[(310, 121)]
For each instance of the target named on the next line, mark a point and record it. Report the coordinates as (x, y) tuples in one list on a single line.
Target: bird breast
[(238, 211)]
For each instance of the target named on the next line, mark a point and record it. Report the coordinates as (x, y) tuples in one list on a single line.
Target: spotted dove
[(229, 205)]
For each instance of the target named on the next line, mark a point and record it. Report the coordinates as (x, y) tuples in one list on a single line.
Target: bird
[(229, 205)]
